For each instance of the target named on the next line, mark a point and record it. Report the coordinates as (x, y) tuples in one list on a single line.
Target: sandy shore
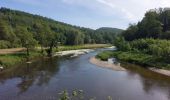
[(105, 64), (11, 51), (161, 71), (73, 52)]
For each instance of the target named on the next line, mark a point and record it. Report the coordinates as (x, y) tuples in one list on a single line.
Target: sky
[(89, 13)]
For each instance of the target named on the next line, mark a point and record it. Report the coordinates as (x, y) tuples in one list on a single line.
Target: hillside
[(19, 29), (108, 29)]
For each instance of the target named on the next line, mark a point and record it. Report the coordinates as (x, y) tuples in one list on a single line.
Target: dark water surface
[(45, 78)]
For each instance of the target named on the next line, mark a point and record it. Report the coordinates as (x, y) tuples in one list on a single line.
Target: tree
[(131, 33), (75, 37), (40, 35), (87, 39), (6, 33), (51, 43), (26, 39), (165, 18), (150, 26)]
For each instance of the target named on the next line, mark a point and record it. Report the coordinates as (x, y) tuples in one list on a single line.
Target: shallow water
[(45, 78)]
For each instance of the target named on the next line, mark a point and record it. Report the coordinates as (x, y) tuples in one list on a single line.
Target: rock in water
[(1, 68)]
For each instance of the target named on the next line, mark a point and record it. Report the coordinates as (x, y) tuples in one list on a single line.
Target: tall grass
[(8, 60)]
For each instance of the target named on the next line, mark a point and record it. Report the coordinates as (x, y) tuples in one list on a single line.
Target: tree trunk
[(28, 54), (50, 50)]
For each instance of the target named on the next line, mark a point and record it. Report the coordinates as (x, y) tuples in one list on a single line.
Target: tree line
[(155, 24)]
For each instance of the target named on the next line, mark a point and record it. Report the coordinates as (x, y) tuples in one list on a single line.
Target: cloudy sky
[(89, 13)]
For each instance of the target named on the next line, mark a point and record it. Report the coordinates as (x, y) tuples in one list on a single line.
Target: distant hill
[(108, 29)]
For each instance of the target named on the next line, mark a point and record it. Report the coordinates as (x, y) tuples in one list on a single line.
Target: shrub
[(4, 44), (105, 55)]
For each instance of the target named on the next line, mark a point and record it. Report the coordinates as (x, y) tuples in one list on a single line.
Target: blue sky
[(89, 13)]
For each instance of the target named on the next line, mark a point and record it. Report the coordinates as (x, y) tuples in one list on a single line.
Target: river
[(45, 78)]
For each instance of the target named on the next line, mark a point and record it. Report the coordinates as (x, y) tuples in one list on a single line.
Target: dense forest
[(147, 42), (21, 29)]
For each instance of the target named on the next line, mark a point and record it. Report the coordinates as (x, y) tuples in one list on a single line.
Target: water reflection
[(150, 80), (37, 73)]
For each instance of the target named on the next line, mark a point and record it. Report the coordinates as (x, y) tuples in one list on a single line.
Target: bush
[(4, 44), (156, 47), (121, 44), (105, 55)]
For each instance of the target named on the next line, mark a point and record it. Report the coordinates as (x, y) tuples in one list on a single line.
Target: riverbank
[(105, 64), (8, 60), (11, 57), (151, 62), (81, 51), (161, 71), (86, 46)]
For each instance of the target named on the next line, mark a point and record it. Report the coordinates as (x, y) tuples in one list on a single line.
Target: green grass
[(8, 60), (86, 46), (136, 58)]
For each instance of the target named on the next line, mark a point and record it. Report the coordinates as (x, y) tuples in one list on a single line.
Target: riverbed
[(45, 78)]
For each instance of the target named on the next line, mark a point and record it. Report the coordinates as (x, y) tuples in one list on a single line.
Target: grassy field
[(136, 58), (10, 57)]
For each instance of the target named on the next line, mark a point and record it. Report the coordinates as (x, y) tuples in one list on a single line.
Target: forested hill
[(108, 29), (18, 29)]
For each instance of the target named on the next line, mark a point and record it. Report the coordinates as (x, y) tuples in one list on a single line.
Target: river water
[(45, 78)]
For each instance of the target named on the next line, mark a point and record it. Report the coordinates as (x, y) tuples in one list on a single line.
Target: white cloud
[(132, 10), (107, 3)]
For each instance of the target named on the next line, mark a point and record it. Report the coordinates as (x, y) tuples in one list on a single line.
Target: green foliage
[(150, 26), (152, 52), (155, 25), (8, 60), (22, 29), (133, 57), (105, 55), (136, 58), (26, 39), (109, 30), (147, 37), (130, 33), (156, 47), (4, 44), (77, 95), (121, 44)]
